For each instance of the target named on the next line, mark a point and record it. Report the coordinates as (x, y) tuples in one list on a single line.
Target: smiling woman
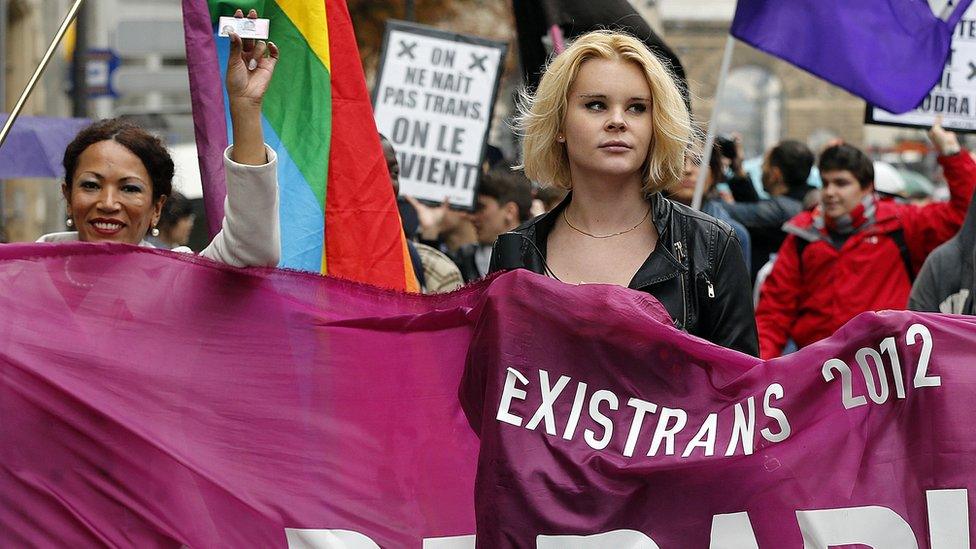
[(121, 175), (118, 176), (608, 123)]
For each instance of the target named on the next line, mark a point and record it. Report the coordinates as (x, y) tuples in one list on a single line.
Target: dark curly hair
[(143, 144)]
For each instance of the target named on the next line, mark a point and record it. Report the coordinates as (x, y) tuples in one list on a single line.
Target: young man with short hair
[(504, 202), (854, 253)]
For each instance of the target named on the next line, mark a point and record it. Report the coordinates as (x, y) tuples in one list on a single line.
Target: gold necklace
[(591, 235)]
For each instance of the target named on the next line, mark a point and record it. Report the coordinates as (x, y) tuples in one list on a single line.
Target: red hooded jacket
[(808, 299)]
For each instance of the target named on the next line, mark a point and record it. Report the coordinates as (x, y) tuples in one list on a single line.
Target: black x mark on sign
[(478, 61), (407, 49)]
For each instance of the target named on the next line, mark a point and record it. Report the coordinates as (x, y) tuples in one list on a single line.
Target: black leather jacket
[(696, 270)]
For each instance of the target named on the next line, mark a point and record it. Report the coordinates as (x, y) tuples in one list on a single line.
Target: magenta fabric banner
[(595, 422), (155, 399)]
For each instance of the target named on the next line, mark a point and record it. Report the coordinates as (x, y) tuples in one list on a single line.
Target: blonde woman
[(608, 123)]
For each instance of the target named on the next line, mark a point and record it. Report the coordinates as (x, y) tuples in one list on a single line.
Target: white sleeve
[(250, 236)]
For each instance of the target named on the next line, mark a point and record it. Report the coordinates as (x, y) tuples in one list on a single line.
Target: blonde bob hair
[(541, 115)]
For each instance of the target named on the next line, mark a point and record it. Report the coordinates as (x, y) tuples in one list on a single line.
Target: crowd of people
[(610, 163), (765, 267)]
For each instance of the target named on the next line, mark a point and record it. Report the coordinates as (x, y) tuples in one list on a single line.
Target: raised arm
[(249, 73), (928, 226), (250, 234), (764, 214)]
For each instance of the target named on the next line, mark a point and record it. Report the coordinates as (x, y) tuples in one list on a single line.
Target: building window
[(752, 105)]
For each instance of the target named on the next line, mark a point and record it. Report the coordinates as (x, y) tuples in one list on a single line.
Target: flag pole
[(696, 202), (68, 19), (558, 41)]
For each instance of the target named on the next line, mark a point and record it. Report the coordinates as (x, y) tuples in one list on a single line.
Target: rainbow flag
[(338, 212)]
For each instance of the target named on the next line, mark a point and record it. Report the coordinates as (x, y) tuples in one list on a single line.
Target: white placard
[(245, 27), (433, 100), (954, 97)]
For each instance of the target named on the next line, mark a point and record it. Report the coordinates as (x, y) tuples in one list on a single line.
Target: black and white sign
[(433, 100), (954, 96)]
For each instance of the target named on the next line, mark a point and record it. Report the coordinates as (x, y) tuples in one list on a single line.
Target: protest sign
[(434, 97), (953, 97), (155, 399)]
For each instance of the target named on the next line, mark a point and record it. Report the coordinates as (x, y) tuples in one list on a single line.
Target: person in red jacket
[(855, 253)]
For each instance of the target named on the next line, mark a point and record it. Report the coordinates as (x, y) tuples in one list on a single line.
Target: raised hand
[(249, 70), (945, 142), (429, 219), (248, 75)]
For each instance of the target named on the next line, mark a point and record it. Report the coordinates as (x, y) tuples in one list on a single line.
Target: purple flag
[(888, 52), (209, 118), (156, 399), (35, 146)]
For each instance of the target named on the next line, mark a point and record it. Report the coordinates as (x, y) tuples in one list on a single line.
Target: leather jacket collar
[(663, 263)]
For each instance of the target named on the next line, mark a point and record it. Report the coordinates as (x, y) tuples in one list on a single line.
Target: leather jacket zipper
[(709, 287), (680, 253)]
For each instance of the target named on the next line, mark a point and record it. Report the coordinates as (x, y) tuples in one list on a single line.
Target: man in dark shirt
[(785, 171)]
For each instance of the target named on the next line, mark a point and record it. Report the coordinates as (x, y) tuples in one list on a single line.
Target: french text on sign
[(434, 98), (954, 95)]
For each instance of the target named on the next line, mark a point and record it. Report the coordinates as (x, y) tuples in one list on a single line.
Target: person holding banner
[(608, 123), (118, 175)]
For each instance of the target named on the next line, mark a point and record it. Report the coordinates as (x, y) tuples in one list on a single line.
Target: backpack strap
[(803, 237), (897, 236)]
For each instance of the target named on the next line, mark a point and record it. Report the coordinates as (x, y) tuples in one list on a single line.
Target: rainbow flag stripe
[(338, 214)]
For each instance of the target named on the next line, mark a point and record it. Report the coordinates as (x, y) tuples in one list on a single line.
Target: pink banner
[(157, 399)]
